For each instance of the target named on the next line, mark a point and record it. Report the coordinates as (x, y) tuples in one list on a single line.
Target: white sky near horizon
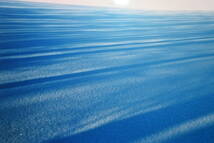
[(206, 5)]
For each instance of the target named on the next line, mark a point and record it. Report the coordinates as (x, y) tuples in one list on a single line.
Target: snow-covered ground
[(95, 75)]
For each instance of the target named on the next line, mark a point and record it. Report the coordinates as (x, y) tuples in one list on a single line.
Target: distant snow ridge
[(72, 74)]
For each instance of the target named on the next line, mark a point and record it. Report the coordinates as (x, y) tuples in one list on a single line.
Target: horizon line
[(115, 6)]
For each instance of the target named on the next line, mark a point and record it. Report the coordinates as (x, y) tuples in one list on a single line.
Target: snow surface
[(94, 75)]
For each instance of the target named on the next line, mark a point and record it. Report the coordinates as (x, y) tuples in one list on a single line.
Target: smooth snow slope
[(71, 74)]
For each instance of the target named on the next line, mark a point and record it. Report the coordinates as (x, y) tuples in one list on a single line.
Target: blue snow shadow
[(97, 75), (145, 125)]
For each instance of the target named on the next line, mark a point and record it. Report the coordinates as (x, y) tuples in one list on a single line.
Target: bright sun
[(121, 2)]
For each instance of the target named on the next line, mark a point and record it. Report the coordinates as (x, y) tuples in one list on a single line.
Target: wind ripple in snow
[(84, 74)]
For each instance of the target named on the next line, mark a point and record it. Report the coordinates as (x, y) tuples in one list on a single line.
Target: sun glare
[(121, 2)]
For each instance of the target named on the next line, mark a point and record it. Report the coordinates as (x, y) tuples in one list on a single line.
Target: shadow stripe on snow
[(98, 71), (48, 57)]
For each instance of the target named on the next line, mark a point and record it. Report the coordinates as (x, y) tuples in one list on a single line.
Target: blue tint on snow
[(74, 74)]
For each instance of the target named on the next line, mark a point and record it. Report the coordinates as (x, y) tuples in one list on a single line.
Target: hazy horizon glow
[(121, 2), (206, 5)]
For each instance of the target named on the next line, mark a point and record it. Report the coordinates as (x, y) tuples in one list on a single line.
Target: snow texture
[(73, 74)]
